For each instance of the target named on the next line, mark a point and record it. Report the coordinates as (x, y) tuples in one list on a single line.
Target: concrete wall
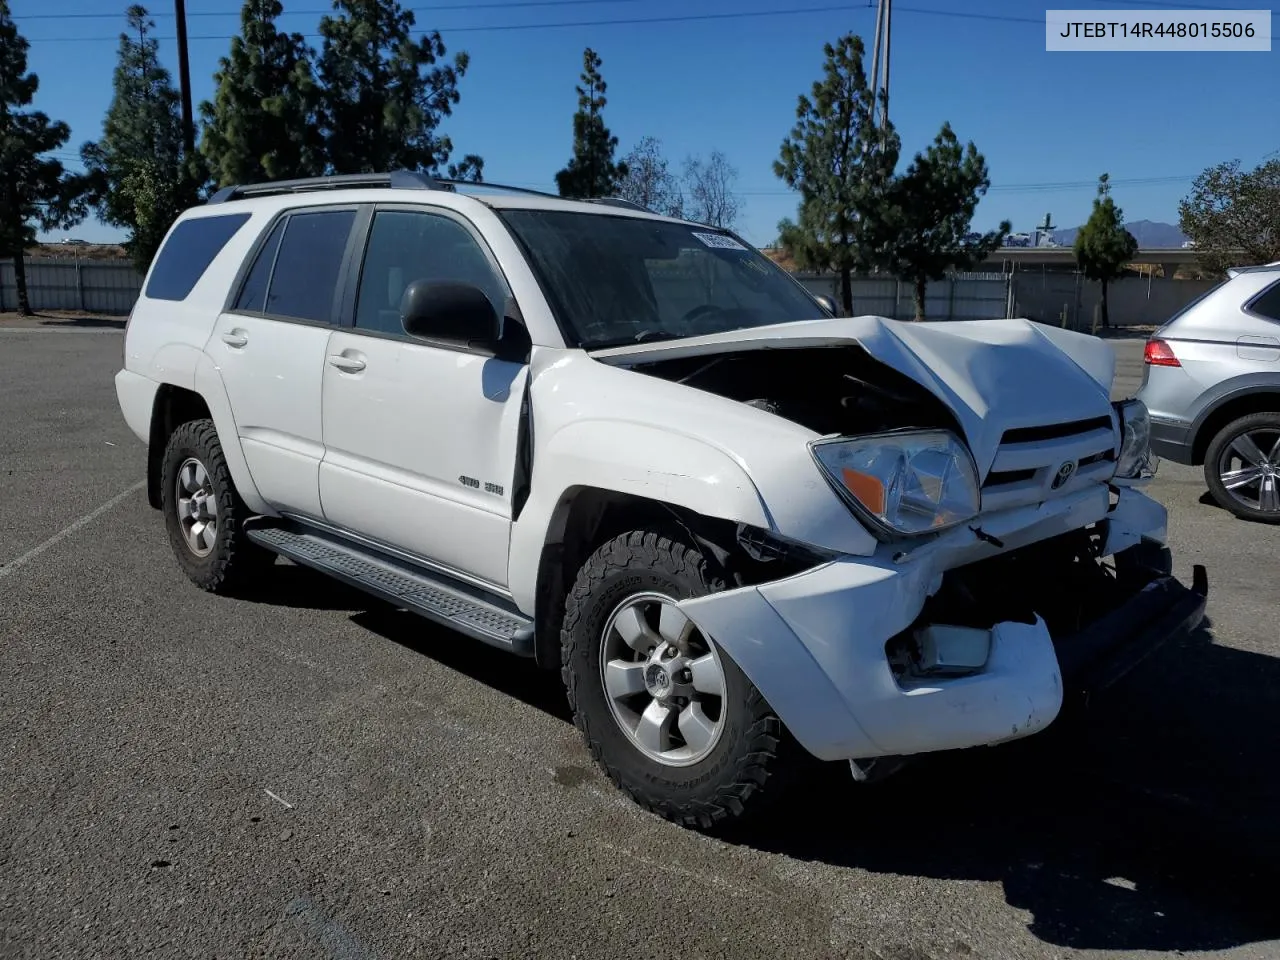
[(1042, 296), (965, 297), (105, 287), (110, 288), (1132, 301)]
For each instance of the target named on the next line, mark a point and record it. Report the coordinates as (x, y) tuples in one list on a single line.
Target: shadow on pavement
[(108, 323), (291, 585), (1147, 824), (515, 677)]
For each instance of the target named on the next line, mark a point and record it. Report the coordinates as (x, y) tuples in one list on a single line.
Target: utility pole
[(880, 62), (184, 77)]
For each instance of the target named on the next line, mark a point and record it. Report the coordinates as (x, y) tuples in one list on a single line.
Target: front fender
[(626, 458)]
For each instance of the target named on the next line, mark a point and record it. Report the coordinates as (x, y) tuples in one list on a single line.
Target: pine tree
[(929, 212), (261, 122), (1103, 246), (842, 165), (592, 171), (35, 190), (384, 94), (142, 179)]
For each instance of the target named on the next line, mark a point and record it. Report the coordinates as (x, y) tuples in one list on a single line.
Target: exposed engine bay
[(830, 390)]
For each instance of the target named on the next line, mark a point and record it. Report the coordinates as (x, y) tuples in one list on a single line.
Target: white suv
[(746, 531)]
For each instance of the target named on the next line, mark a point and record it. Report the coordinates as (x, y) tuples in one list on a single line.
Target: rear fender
[(208, 383)]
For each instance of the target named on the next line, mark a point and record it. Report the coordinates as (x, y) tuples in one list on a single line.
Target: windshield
[(622, 280)]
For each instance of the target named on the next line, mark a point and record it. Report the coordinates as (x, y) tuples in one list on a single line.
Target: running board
[(403, 585)]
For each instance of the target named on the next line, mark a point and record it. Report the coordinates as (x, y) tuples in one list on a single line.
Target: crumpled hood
[(995, 375)]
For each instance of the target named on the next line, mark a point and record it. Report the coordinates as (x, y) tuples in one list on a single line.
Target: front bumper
[(815, 643)]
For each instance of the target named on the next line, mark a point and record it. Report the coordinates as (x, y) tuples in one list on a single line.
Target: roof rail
[(496, 186), (395, 180), (618, 202)]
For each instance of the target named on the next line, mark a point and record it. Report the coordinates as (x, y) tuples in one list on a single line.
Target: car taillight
[(1159, 354)]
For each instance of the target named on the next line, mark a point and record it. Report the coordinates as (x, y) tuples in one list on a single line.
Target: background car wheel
[(672, 720), (203, 513), (1242, 467)]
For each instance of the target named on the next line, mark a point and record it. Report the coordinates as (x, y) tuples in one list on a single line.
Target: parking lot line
[(62, 534)]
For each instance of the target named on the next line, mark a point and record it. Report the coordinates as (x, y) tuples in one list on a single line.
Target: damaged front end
[(1103, 615), (1010, 566), (883, 658)]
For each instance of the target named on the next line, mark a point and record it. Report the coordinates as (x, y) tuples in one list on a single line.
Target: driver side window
[(405, 246)]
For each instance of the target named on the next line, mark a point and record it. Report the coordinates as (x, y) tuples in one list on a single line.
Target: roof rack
[(395, 180), (496, 186), (618, 202)]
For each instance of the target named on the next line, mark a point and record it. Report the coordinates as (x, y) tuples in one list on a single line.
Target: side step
[(399, 583)]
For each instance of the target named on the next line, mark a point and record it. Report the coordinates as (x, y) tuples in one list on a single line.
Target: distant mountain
[(1150, 235)]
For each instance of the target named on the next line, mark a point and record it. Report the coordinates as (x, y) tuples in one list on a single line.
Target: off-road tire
[(235, 562), (755, 757), (1221, 440)]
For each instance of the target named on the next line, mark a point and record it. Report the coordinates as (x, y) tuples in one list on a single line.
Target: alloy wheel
[(663, 680), (196, 504), (1249, 468)]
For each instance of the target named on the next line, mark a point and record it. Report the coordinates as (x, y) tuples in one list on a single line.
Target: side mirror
[(454, 313), (827, 304)]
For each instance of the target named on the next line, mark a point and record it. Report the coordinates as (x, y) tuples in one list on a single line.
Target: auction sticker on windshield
[(720, 241)]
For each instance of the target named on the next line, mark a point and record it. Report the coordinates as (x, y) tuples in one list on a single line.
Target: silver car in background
[(1211, 381)]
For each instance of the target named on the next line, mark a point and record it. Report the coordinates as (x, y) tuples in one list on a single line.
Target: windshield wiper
[(641, 337)]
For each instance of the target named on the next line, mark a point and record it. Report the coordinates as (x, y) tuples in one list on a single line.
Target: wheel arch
[(1262, 398), (175, 405), (587, 517)]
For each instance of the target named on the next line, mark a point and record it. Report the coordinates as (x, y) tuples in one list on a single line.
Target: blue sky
[(1048, 123)]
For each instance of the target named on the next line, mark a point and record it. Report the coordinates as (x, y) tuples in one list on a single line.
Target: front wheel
[(1242, 467), (672, 720)]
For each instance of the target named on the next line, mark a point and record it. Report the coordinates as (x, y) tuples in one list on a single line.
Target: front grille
[(1029, 459), (1055, 431)]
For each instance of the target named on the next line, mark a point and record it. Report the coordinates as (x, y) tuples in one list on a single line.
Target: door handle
[(345, 363), (235, 338)]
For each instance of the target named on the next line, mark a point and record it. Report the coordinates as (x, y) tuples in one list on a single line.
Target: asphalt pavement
[(307, 773)]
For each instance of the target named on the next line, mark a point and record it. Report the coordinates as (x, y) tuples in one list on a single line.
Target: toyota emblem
[(1065, 473)]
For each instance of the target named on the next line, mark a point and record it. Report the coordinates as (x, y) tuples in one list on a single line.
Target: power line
[(630, 21), (435, 8), (505, 28)]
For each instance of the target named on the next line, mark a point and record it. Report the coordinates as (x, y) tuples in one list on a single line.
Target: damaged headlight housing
[(905, 482), (1136, 461)]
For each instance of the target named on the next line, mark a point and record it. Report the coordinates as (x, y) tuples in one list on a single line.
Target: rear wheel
[(204, 514), (672, 720), (1242, 467)]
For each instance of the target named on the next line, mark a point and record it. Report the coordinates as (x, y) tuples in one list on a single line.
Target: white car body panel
[(271, 371), (403, 434)]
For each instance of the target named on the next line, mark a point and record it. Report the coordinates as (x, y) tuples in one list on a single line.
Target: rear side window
[(1268, 303), (308, 265), (253, 295), (187, 253)]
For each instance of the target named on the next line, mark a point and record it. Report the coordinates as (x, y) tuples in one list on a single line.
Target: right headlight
[(906, 483), (1136, 461)]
